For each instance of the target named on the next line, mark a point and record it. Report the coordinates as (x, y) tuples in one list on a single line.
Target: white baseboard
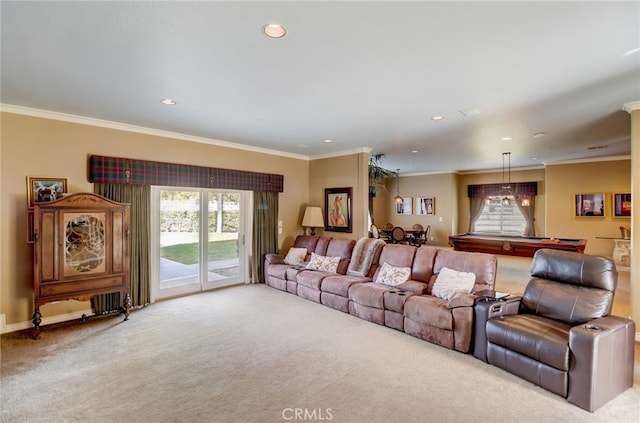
[(14, 327)]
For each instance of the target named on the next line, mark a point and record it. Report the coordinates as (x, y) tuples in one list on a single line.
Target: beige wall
[(33, 146), (439, 186), (527, 175), (566, 180), (346, 171), (557, 185)]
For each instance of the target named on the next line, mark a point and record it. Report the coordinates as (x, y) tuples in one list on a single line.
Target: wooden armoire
[(81, 246)]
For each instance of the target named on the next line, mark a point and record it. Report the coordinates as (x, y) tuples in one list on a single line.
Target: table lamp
[(313, 218)]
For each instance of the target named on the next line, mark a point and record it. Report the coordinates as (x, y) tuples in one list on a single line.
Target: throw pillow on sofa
[(450, 283), (295, 256), (324, 263), (393, 276)]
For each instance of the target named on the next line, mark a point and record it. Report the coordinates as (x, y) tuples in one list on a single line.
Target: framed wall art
[(622, 205), (405, 207), (425, 206), (42, 189), (337, 206), (589, 204)]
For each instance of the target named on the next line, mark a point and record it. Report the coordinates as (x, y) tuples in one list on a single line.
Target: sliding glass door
[(201, 239)]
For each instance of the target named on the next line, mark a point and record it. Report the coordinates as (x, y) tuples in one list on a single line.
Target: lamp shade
[(313, 218)]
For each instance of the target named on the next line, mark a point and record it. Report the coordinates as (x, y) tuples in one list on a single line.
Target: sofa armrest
[(464, 300), (602, 356), (274, 259)]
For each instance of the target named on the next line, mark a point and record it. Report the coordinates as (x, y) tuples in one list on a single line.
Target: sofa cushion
[(422, 267), (295, 255), (324, 263), (415, 287), (544, 340), (340, 285), (311, 278), (343, 248), (483, 265), (307, 241), (429, 311), (392, 275), (450, 283), (369, 294), (278, 270)]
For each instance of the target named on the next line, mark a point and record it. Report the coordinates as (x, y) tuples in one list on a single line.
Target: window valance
[(118, 170), (517, 188)]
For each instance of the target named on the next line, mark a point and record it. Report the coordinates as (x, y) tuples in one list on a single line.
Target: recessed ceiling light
[(539, 134), (414, 151), (506, 138), (274, 30), (437, 117), (168, 102), (328, 141)]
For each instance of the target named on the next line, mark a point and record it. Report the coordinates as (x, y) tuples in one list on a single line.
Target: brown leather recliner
[(563, 338)]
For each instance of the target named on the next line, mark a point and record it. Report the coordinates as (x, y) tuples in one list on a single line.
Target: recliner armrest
[(274, 259), (602, 360), (464, 300)]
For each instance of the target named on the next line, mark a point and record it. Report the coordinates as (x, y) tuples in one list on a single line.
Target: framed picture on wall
[(425, 206), (405, 206), (337, 206), (589, 205), (622, 205)]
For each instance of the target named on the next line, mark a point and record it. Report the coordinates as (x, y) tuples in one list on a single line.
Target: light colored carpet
[(255, 354)]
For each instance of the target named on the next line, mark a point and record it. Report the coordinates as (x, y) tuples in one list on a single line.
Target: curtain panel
[(139, 198), (116, 170), (265, 231)]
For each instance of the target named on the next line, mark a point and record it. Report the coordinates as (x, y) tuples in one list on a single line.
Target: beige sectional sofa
[(354, 285)]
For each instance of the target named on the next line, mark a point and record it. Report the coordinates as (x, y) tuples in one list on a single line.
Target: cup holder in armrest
[(592, 327)]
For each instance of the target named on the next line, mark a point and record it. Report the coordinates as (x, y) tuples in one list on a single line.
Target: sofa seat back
[(397, 255), (483, 265), (338, 247), (422, 268), (313, 244), (570, 287)]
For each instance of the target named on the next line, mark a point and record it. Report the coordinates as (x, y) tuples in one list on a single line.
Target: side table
[(484, 310)]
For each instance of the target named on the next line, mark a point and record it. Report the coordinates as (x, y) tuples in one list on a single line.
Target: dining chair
[(416, 237), (398, 235), (375, 233)]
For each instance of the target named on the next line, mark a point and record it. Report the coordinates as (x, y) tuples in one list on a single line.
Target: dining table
[(409, 233)]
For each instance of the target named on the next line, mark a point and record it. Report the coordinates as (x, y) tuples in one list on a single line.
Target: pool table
[(513, 245)]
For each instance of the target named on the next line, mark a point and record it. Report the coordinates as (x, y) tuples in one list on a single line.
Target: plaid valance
[(517, 188), (118, 170)]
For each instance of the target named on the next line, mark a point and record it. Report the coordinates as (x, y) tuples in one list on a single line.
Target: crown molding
[(341, 153), (83, 120), (589, 160), (631, 106)]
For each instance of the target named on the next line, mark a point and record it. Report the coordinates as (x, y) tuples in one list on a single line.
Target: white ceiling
[(363, 74)]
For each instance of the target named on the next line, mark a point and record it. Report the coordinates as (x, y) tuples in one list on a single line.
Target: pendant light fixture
[(398, 199), (506, 188)]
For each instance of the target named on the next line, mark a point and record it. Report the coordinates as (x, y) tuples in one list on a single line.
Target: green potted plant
[(377, 176)]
